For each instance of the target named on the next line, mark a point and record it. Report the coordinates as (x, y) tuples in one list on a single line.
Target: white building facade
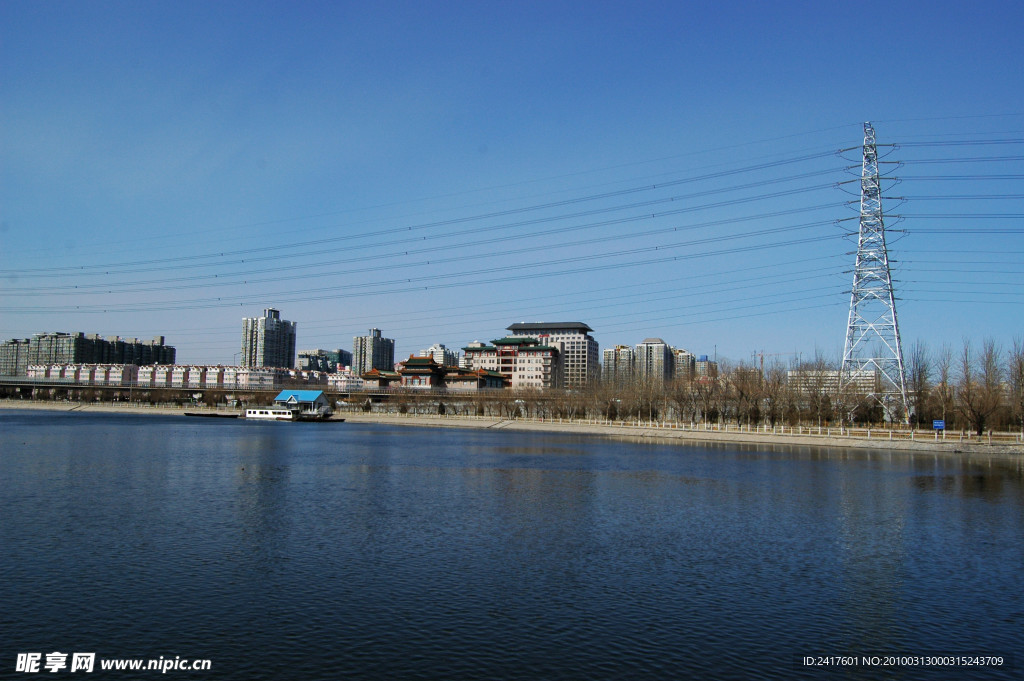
[(578, 351), (524, 362)]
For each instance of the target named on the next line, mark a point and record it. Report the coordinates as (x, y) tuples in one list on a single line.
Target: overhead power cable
[(467, 219)]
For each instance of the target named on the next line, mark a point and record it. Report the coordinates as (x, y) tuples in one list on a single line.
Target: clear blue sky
[(441, 170)]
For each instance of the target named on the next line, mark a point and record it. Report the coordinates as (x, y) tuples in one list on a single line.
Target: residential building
[(74, 348), (268, 341), (14, 357), (156, 376), (372, 352), (344, 380), (618, 367), (654, 360), (441, 355), (339, 358), (523, 362), (465, 361), (685, 363), (117, 350), (323, 360), (705, 368), (577, 350)]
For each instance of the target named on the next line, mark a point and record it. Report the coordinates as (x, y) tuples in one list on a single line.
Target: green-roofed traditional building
[(524, 362), (422, 373), (375, 378), (464, 379)]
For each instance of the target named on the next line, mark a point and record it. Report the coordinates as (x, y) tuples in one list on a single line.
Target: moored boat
[(272, 414), (288, 414)]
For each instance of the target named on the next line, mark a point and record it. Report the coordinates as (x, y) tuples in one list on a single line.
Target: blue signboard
[(939, 425)]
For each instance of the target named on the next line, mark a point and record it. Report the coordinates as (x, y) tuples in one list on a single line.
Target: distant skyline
[(440, 171)]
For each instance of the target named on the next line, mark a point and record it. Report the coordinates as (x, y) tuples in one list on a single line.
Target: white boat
[(272, 413), (278, 413)]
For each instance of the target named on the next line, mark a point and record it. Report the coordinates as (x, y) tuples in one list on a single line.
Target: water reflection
[(372, 552)]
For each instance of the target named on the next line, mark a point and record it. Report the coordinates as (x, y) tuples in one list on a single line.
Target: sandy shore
[(681, 436)]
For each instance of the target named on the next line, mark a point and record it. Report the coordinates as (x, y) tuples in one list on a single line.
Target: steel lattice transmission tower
[(873, 334)]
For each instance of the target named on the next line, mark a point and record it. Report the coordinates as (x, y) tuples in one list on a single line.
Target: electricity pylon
[(873, 348)]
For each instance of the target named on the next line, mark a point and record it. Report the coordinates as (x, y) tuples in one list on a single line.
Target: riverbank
[(686, 436), (879, 440)]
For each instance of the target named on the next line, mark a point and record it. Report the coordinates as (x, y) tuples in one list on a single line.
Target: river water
[(360, 551)]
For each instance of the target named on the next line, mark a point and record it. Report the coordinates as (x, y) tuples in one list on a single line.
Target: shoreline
[(682, 436)]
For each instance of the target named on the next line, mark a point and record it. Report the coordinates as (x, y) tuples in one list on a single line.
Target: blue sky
[(441, 170)]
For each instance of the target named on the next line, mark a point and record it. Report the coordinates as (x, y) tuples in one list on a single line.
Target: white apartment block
[(827, 381), (92, 374), (345, 380), (192, 376), (441, 355), (578, 351)]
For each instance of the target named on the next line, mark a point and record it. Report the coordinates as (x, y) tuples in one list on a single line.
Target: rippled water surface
[(348, 551)]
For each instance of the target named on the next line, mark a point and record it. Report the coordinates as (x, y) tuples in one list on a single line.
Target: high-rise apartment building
[(685, 363), (268, 341), (618, 367), (14, 357), (654, 360), (79, 348), (578, 350), (372, 352)]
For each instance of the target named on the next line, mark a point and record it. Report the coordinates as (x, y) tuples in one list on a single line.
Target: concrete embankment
[(880, 441), (685, 436)]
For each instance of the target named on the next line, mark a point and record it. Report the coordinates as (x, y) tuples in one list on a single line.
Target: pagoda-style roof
[(421, 365), (377, 373), (515, 340), (548, 327), (420, 361)]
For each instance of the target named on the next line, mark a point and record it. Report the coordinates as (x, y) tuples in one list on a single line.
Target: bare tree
[(979, 391), (708, 391), (943, 394), (744, 388), (918, 381), (815, 388), (603, 400), (682, 394), (1016, 375), (773, 391)]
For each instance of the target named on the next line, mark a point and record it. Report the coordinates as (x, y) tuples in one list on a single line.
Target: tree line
[(974, 388)]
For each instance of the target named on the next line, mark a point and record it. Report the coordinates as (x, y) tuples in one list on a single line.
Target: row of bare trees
[(977, 387), (974, 388)]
